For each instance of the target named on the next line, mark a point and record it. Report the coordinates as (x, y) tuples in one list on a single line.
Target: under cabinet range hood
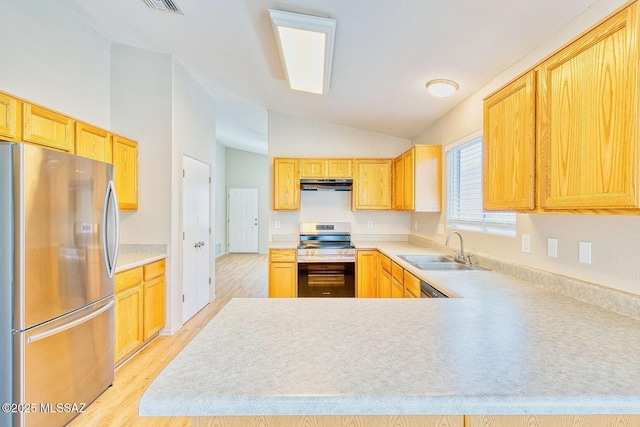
[(326, 184)]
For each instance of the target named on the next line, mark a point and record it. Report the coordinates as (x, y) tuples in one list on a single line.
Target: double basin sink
[(437, 262)]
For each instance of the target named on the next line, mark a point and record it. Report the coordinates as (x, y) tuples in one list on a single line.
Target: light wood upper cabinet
[(9, 118), (286, 184), (325, 168), (47, 128), (417, 179), (283, 273), (367, 273), (509, 146), (371, 184), (588, 143), (93, 142), (125, 160)]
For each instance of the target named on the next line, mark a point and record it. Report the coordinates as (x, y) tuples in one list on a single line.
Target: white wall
[(613, 237), (219, 181), (50, 56), (157, 102), (251, 170), (292, 136)]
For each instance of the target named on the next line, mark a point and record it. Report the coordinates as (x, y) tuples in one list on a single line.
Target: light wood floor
[(237, 275)]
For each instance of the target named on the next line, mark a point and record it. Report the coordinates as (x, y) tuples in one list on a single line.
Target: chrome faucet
[(460, 256)]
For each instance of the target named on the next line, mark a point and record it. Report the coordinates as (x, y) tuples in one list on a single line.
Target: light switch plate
[(585, 252), (441, 229), (526, 243), (277, 224), (415, 225), (552, 247), (369, 224)]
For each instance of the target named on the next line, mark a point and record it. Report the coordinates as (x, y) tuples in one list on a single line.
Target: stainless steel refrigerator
[(58, 248)]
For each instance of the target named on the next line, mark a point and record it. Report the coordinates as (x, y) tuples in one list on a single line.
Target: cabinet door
[(509, 146), (93, 142), (384, 284), (427, 178), (367, 280), (372, 185), (339, 168), (128, 321), (9, 126), (286, 184), (398, 184), (154, 306), (283, 280), (408, 184), (411, 285), (47, 128), (588, 119), (125, 160), (313, 168)]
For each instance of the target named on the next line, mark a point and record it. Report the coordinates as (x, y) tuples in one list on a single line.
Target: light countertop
[(505, 347), (132, 256)]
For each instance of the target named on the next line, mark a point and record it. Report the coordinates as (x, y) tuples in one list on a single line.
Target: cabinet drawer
[(385, 263), (128, 278), (282, 255), (396, 272), (154, 269), (411, 284)]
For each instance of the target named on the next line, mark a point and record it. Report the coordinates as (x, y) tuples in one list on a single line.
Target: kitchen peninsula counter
[(504, 347)]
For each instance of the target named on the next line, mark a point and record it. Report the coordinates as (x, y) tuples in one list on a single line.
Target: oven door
[(326, 279)]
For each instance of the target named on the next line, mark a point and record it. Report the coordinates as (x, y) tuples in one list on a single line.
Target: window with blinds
[(464, 192)]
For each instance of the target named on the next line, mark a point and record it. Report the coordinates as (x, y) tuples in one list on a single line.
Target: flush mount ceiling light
[(305, 43), (442, 87)]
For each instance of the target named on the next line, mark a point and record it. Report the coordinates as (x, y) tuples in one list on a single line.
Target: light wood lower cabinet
[(384, 277), (283, 273), (367, 273), (139, 307), (397, 281), (411, 285)]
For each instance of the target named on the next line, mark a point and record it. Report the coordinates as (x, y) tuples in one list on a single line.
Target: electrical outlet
[(277, 224), (585, 252), (441, 229), (526, 243), (552, 247), (369, 224)]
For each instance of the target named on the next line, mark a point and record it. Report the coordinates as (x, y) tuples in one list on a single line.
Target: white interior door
[(195, 238), (243, 220)]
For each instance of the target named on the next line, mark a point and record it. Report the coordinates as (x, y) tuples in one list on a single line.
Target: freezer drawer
[(65, 361)]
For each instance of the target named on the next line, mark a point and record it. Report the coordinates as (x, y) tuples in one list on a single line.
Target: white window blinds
[(464, 192)]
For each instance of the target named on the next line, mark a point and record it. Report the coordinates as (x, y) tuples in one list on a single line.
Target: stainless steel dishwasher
[(428, 291)]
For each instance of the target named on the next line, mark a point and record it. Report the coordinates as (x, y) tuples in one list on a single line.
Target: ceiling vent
[(166, 5)]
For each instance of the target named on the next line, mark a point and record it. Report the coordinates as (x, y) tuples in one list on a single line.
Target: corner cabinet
[(371, 184), (125, 160), (588, 143), (283, 273), (286, 184), (510, 146), (139, 307), (417, 179)]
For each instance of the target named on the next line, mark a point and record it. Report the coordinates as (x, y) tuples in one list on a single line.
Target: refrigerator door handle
[(61, 328), (111, 212)]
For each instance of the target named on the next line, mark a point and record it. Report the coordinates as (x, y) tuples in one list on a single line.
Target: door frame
[(212, 294)]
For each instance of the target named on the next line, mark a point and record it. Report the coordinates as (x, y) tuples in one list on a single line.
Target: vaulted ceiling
[(385, 52)]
